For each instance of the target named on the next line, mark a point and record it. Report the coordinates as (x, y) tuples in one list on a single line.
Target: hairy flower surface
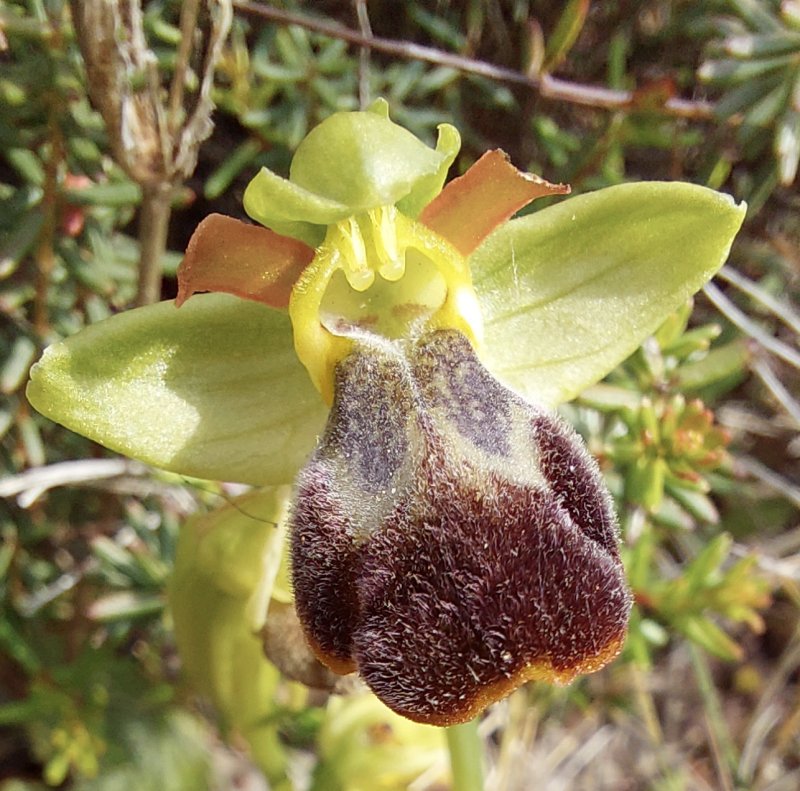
[(449, 539)]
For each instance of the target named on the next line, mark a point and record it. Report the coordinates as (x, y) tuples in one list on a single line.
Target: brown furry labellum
[(450, 541)]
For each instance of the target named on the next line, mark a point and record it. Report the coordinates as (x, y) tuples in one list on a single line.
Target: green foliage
[(90, 713), (708, 587), (755, 63), (63, 198), (668, 456), (168, 754), (659, 441)]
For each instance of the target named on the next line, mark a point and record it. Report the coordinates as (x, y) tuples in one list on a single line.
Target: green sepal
[(290, 209), (569, 292), (212, 389), (428, 187), (350, 163)]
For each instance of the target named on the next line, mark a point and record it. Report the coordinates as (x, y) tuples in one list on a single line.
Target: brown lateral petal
[(450, 540), (470, 207), (228, 255)]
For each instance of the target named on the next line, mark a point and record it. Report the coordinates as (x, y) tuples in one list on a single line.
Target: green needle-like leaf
[(212, 389), (569, 292)]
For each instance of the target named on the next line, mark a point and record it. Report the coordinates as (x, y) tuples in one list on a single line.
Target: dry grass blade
[(749, 327)]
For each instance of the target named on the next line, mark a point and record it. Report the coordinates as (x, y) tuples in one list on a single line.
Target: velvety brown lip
[(451, 541)]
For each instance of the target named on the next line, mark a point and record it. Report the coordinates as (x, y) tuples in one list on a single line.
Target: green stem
[(465, 756)]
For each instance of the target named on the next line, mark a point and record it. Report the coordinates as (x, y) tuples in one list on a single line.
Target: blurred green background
[(697, 432)]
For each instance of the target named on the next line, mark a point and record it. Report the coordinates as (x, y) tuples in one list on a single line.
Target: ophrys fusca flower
[(451, 537)]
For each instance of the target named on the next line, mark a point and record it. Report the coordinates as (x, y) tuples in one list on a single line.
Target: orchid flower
[(451, 538)]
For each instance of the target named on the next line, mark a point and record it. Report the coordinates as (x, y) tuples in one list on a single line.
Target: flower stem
[(465, 756)]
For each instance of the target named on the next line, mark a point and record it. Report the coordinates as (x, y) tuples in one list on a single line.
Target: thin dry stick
[(779, 569), (156, 207), (746, 465), (30, 485), (778, 308), (154, 139), (547, 86), (154, 214), (519, 728), (647, 706), (720, 741), (763, 719), (189, 12), (363, 57), (762, 369), (750, 327)]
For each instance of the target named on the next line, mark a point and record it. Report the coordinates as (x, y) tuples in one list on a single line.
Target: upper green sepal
[(569, 292), (350, 163), (213, 389)]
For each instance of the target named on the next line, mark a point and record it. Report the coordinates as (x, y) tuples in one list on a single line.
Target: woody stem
[(153, 226)]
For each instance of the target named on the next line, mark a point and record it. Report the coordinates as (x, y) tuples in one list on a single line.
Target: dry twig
[(154, 139), (546, 85)]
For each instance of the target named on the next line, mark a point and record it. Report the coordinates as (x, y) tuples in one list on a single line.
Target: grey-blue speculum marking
[(451, 541)]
